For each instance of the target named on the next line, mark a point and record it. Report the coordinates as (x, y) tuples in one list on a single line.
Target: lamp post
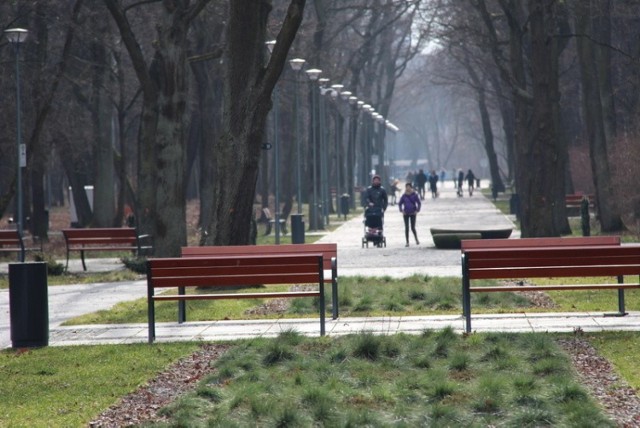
[(324, 184), (296, 65), (17, 36), (335, 94), (313, 75), (276, 153), (351, 149)]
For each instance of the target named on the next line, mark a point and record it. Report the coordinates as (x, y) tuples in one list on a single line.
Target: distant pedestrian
[(460, 181), (471, 181), (433, 183), (394, 190), (409, 206), (421, 181)]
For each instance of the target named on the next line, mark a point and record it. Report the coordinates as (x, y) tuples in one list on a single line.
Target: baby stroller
[(373, 229)]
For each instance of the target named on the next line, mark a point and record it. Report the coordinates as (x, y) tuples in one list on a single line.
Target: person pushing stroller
[(375, 205)]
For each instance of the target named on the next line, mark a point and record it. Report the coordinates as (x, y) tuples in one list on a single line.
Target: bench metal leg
[(322, 310), (151, 312), (621, 308), (182, 307), (466, 296), (322, 301), (334, 298)]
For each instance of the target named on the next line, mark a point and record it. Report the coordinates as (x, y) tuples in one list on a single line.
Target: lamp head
[(270, 45), (16, 35), (297, 63), (313, 74)]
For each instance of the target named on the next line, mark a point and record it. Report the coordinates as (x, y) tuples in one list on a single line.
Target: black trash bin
[(297, 229), (514, 205), (28, 304), (344, 204)]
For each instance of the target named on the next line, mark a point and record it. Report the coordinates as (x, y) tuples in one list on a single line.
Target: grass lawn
[(68, 386)]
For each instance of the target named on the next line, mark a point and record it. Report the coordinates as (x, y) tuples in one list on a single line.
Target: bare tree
[(248, 87), (161, 208)]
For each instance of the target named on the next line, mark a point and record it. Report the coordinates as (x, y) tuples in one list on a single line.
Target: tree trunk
[(541, 155), (161, 208), (248, 87), (594, 117)]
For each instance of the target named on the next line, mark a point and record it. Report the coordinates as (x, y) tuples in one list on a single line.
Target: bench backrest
[(10, 238), (539, 242), (102, 235), (551, 262), (328, 251), (236, 270)]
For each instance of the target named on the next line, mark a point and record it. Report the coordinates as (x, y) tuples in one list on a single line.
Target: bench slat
[(561, 287), (269, 295), (469, 244), (239, 279)]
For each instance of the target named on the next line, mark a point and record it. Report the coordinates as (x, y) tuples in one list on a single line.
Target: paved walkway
[(395, 260)]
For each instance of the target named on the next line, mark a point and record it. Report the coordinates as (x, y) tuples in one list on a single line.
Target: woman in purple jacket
[(410, 206)]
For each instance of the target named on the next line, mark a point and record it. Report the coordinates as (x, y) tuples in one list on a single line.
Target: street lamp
[(276, 153), (313, 75), (17, 36), (322, 121), (336, 94), (296, 65)]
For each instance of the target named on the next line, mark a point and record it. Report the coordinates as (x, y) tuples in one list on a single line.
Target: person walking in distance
[(471, 180), (421, 181), (409, 207), (433, 183), (460, 181)]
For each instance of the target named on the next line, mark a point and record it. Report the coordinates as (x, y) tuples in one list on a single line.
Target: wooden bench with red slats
[(103, 239), (212, 272), (329, 258), (606, 259), (12, 242)]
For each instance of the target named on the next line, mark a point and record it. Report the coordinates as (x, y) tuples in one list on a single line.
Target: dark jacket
[(377, 196), (410, 203)]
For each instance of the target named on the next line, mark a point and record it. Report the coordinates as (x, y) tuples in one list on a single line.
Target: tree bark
[(595, 114), (161, 208), (248, 88)]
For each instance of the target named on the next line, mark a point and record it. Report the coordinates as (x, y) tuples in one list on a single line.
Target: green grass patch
[(68, 386), (375, 381), (357, 296), (84, 278)]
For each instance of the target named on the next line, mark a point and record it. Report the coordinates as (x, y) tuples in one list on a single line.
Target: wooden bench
[(233, 271), (560, 261), (271, 221), (329, 258), (12, 242), (103, 239), (574, 201)]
